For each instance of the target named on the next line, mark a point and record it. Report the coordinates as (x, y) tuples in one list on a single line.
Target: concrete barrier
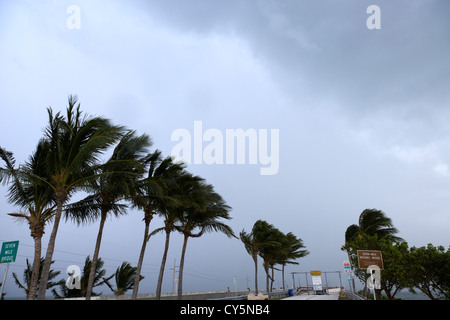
[(207, 295), (260, 296)]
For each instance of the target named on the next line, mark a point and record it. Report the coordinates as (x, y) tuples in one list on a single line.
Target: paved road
[(334, 295)]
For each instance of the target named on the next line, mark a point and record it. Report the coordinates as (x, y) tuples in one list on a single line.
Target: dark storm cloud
[(325, 48)]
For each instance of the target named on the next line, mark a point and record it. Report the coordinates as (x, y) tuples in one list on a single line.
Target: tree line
[(67, 160), (123, 276), (426, 268)]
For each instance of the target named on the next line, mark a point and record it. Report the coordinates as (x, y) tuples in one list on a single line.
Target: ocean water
[(406, 295)]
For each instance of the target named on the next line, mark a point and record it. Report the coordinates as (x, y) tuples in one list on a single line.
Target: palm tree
[(75, 143), (270, 253), (373, 222), (124, 276), (34, 197), (110, 188), (206, 219), (291, 249), (170, 211), (150, 196), (255, 242), (28, 277)]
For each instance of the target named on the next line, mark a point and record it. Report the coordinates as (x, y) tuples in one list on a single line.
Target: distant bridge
[(309, 287)]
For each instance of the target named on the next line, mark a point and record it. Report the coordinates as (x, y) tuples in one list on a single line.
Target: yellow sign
[(315, 273)]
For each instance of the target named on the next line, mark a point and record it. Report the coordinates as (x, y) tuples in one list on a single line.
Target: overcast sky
[(362, 117)]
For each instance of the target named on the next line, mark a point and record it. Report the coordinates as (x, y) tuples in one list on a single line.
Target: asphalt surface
[(334, 295)]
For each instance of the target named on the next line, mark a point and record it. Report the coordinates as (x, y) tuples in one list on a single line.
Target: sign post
[(8, 254), (371, 260), (348, 271)]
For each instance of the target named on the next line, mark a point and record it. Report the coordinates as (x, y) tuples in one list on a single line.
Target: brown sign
[(315, 273), (367, 258)]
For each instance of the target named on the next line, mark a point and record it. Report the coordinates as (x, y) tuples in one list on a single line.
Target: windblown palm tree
[(270, 253), (171, 210), (291, 249), (203, 212), (75, 143), (373, 222), (34, 197), (255, 242), (110, 188), (150, 196)]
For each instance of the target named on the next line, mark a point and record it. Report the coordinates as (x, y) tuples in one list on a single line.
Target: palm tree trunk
[(61, 197), (282, 276), (90, 284), (255, 260), (180, 272), (271, 281), (266, 269), (163, 265), (36, 264), (148, 219)]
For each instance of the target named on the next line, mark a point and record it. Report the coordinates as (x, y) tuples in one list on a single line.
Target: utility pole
[(174, 273)]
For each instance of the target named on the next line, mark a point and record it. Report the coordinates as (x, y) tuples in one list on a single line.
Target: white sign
[(317, 282), (346, 265), (347, 269)]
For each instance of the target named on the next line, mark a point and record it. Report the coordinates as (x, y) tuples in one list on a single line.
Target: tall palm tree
[(34, 197), (171, 211), (206, 219), (150, 196), (110, 188), (75, 143), (255, 241), (291, 249), (373, 222), (270, 253)]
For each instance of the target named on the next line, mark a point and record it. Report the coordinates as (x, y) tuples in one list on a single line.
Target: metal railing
[(353, 296), (272, 295)]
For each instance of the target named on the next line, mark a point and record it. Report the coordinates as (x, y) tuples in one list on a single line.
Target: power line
[(146, 267)]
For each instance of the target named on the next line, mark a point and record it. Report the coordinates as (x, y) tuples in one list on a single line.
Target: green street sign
[(9, 251)]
